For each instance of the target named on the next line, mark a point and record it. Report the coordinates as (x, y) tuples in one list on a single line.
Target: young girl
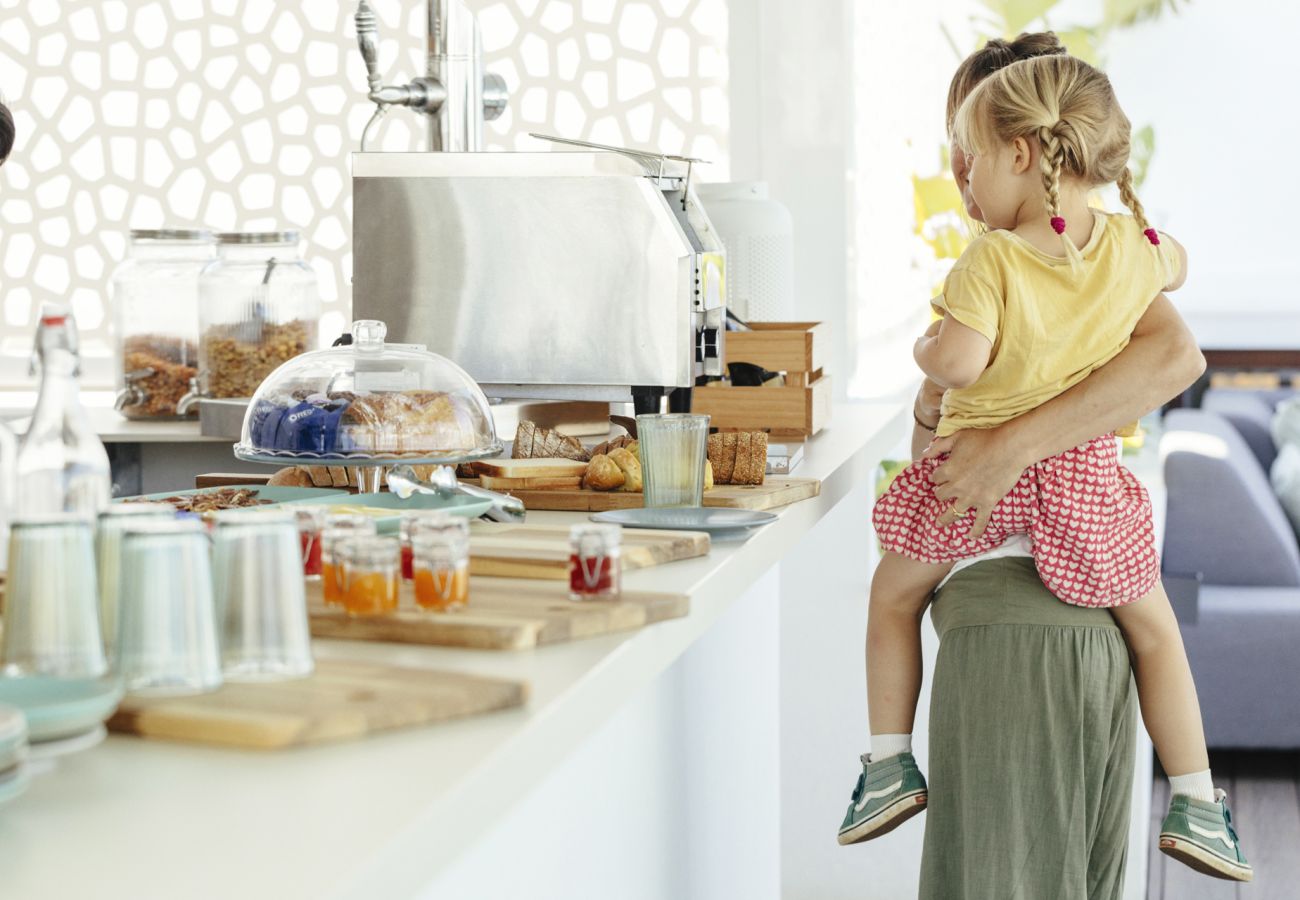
[(1023, 322)]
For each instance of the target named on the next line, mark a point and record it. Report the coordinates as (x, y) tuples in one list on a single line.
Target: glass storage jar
[(259, 307), (156, 315)]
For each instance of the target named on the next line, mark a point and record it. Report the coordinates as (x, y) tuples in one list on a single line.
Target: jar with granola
[(259, 307), (156, 318)]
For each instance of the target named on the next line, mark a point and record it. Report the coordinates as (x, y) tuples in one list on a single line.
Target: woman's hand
[(929, 404), (980, 470)]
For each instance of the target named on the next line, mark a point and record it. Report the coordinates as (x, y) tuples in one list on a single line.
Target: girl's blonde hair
[(1070, 108)]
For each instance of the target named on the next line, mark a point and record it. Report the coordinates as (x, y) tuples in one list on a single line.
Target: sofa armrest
[(1223, 519)]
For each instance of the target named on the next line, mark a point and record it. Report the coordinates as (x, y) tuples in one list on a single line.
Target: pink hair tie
[(1058, 224), (1152, 236)]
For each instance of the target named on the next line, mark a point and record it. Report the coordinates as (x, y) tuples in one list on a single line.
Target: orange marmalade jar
[(337, 528), (440, 564), (371, 574)]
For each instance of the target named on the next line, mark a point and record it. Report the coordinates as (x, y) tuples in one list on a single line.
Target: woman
[(1032, 728)]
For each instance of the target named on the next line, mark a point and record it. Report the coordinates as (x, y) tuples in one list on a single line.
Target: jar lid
[(182, 524), (594, 539), (171, 234), (129, 508), (263, 516), (42, 520), (257, 237), (367, 549), (369, 403)]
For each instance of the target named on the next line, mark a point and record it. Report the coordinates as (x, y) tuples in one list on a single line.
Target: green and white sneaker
[(889, 793), (1200, 835)]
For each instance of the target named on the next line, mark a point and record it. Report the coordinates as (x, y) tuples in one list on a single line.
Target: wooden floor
[(1264, 796)]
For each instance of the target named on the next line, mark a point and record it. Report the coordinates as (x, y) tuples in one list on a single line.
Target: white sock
[(884, 746), (1197, 785)]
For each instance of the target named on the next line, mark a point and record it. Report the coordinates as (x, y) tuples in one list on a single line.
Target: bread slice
[(530, 484), (531, 468), (523, 447)]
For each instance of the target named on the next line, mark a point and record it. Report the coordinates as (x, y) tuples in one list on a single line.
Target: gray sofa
[(1232, 565)]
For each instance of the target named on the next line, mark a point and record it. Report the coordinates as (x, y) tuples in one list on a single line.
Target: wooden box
[(799, 409)]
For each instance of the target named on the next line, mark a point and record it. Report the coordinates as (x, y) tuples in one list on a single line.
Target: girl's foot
[(1200, 835), (888, 793)]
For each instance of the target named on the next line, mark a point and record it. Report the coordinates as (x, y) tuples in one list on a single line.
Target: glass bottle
[(62, 465), (156, 302), (258, 307)]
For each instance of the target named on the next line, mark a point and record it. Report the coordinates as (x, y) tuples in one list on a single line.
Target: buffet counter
[(391, 815)]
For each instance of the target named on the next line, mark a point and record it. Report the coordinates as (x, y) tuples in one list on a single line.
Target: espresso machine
[(584, 273)]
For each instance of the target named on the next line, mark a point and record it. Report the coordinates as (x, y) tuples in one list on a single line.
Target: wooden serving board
[(542, 551), (340, 701), (772, 493), (503, 614)]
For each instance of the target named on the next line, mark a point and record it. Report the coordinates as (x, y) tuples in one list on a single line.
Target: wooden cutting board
[(542, 551), (503, 614), (342, 700), (773, 493)]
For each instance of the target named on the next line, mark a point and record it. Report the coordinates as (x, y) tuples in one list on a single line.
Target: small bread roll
[(631, 466), (635, 449), (294, 476), (603, 474)]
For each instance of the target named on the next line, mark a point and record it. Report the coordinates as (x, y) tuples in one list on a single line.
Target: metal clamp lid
[(258, 237), (171, 234)]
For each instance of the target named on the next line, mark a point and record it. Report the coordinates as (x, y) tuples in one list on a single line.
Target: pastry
[(603, 474), (631, 466), (623, 440), (294, 476)]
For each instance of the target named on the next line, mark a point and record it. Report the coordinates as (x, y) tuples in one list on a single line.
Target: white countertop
[(379, 817)]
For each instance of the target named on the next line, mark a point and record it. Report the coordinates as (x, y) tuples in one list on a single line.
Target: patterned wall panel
[(239, 114)]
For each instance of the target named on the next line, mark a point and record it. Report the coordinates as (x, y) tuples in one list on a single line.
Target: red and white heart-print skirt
[(1088, 518)]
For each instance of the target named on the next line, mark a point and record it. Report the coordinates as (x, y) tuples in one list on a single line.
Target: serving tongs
[(443, 483)]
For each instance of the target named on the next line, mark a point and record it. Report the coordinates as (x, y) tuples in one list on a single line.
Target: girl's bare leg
[(900, 590), (1166, 691)]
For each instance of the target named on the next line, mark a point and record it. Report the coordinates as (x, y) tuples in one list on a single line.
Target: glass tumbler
[(673, 450), (338, 527), (51, 614), (113, 523), (372, 573), (260, 595), (440, 560), (167, 636)]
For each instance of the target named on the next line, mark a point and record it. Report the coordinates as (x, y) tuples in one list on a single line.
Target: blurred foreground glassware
[(440, 563), (62, 465), (338, 527), (371, 574), (311, 521), (51, 614), (595, 561), (167, 636), (673, 450), (108, 558), (260, 596)]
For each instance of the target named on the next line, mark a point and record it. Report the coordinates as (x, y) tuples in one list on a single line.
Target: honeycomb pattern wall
[(240, 114)]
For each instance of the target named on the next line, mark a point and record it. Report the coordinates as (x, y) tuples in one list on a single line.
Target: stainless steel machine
[(588, 274), (592, 274)]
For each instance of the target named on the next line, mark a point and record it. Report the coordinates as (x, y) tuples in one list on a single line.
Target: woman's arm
[(1160, 361)]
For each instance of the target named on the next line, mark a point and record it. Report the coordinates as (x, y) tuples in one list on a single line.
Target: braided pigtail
[(1050, 162), (1129, 196)]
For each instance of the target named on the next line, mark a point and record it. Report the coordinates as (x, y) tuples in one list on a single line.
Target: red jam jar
[(595, 561), (311, 519)]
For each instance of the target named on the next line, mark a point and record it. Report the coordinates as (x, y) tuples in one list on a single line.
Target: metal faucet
[(456, 94)]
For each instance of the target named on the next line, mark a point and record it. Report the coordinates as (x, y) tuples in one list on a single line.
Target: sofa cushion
[(1251, 413), (1285, 476), (1223, 518)]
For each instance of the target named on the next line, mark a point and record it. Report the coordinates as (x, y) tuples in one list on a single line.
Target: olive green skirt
[(1031, 743)]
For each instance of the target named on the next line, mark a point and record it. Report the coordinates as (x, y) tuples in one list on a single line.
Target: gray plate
[(714, 521)]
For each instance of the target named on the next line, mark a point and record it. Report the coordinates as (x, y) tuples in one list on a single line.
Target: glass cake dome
[(368, 403)]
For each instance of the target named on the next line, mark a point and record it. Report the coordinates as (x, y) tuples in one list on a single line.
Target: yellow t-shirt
[(1050, 325)]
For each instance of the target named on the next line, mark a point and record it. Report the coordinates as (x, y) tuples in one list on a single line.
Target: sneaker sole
[(887, 819), (1202, 860)]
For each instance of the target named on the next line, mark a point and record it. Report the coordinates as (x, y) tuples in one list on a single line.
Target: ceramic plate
[(50, 750), (59, 708), (387, 508), (274, 493), (13, 783), (721, 522)]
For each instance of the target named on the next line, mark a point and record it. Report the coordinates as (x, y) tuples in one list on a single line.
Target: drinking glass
[(167, 636), (260, 596), (113, 522), (673, 450), (51, 613)]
